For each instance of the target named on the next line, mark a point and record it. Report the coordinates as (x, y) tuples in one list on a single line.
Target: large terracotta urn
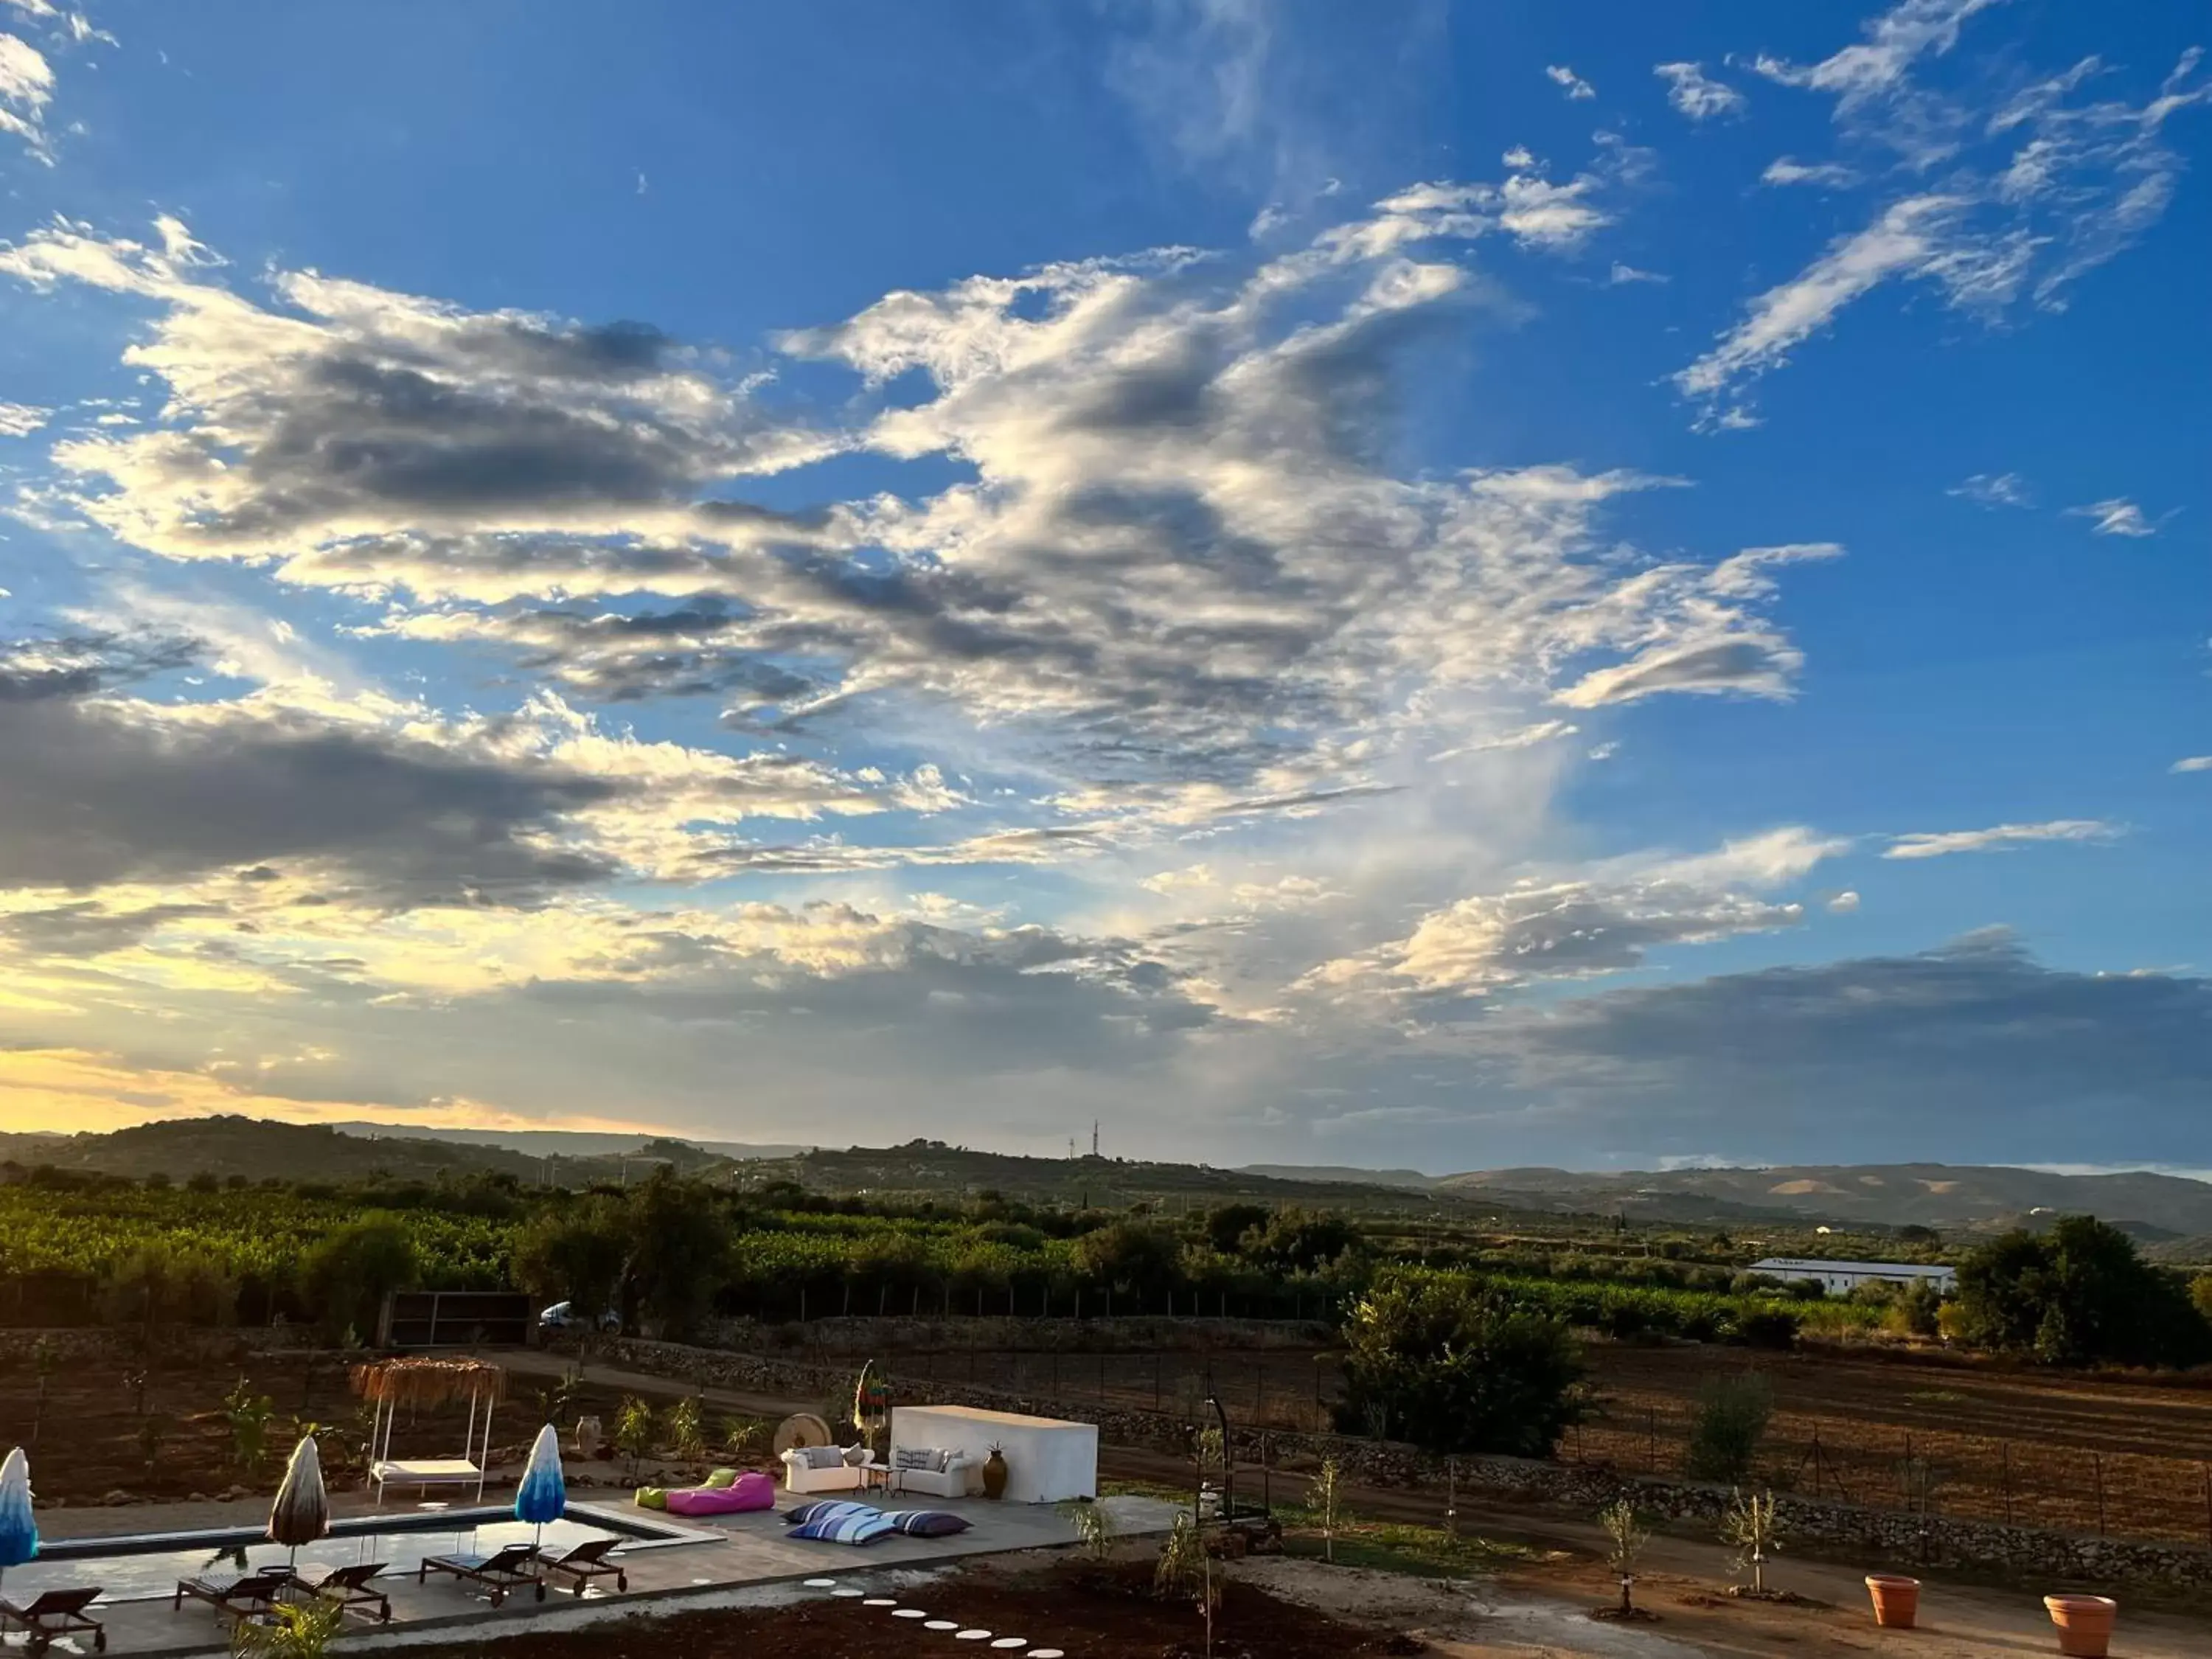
[(994, 1474)]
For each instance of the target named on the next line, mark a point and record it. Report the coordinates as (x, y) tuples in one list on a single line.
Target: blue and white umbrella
[(543, 1495), (19, 1532)]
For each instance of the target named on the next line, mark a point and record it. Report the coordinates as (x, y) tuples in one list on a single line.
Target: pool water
[(143, 1570)]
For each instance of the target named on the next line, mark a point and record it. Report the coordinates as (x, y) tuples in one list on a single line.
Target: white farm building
[(1842, 1278)]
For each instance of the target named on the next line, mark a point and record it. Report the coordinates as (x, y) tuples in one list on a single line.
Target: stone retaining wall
[(1888, 1540)]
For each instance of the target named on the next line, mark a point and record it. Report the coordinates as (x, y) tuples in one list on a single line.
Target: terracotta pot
[(994, 1474), (2085, 1622), (1896, 1600)]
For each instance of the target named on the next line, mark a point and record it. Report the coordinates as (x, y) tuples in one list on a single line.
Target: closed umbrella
[(543, 1495), (19, 1532), (302, 1513)]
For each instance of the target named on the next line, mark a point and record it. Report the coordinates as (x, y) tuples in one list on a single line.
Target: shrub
[(1454, 1370), (355, 1268), (1727, 1427)]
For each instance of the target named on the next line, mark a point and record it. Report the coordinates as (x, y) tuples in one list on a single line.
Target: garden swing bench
[(422, 1380)]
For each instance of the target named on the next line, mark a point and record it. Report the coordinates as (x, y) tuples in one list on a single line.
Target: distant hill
[(258, 1148), (1880, 1195), (560, 1143), (1340, 1175)]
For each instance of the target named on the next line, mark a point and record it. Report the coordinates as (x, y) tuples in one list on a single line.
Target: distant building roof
[(1798, 1264)]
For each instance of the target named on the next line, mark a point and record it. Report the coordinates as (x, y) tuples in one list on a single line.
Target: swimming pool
[(147, 1567)]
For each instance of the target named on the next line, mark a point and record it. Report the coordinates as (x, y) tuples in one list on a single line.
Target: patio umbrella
[(19, 1532), (302, 1513), (542, 1495)]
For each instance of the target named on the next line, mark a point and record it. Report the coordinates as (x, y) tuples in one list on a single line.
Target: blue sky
[(1422, 585)]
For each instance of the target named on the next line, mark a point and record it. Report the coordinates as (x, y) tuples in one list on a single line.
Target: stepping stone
[(942, 1624), (820, 1583), (879, 1602), (840, 1591), (1011, 1642), (1046, 1653), (973, 1635), (909, 1613)]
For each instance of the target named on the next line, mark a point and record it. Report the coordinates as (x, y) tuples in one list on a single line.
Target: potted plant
[(994, 1472), (1896, 1598), (2085, 1622)]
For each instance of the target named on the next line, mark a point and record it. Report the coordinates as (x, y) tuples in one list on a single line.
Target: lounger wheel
[(498, 1597), (99, 1641), (622, 1581), (541, 1590)]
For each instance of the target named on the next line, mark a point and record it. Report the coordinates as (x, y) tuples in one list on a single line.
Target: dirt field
[(2086, 1454)]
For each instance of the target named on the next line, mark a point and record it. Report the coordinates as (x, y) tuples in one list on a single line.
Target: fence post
[(1260, 1391), (1102, 1379), (1451, 1496)]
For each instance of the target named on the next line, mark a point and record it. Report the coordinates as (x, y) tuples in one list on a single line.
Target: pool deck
[(747, 1553)]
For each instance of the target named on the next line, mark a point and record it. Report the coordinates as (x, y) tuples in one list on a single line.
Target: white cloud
[(1845, 902), (1998, 838), (2192, 763), (1570, 82), (21, 420), (2116, 516), (27, 87), (1903, 240), (1604, 921), (1621, 274), (1876, 66), (1994, 489), (2035, 190), (1696, 93), (1784, 171)]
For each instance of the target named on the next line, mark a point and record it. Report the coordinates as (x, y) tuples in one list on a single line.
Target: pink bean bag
[(753, 1490)]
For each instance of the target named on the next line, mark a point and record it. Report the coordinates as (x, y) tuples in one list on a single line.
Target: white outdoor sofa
[(962, 1473), (810, 1469)]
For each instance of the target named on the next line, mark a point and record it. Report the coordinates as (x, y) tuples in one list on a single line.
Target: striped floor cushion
[(826, 1509), (926, 1523), (861, 1529)]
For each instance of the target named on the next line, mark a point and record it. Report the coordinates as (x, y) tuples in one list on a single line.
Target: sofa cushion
[(918, 1458), (818, 1457)]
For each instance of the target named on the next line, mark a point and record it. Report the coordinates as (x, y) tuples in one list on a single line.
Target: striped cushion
[(926, 1523), (823, 1508), (862, 1528), (917, 1457)]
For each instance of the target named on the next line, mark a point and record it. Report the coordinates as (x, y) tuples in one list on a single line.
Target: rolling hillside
[(1882, 1195)]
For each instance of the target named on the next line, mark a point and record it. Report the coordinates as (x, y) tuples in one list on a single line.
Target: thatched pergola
[(431, 1380)]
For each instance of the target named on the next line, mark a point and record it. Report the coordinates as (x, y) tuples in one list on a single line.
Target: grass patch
[(1403, 1547)]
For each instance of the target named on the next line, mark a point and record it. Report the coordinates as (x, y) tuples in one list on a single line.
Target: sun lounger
[(237, 1596), (348, 1588), (509, 1569), (588, 1561), (56, 1613)]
